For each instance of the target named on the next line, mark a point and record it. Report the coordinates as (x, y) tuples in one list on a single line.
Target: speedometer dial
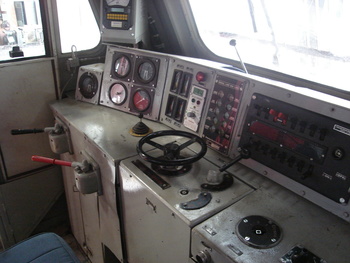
[(122, 66), (141, 100), (117, 2), (118, 93), (147, 71)]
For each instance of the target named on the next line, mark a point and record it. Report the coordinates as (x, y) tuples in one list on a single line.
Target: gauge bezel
[(133, 107), (125, 93), (130, 59), (83, 77), (152, 82)]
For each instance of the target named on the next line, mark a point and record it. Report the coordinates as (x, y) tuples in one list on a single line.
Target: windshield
[(303, 38)]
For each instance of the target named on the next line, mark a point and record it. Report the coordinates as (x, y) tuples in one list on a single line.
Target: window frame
[(43, 6), (194, 40)]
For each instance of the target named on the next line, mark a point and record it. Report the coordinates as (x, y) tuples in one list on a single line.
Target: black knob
[(303, 257)]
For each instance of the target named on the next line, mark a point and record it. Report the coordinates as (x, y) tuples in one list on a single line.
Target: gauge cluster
[(134, 81)]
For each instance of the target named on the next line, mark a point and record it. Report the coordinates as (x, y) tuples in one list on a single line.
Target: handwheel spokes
[(157, 145), (188, 143), (171, 151)]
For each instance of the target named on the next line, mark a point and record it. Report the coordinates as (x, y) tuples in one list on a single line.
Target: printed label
[(341, 129)]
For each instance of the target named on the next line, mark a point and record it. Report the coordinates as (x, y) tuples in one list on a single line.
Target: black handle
[(245, 154), (26, 131)]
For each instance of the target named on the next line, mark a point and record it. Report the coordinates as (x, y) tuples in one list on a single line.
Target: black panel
[(223, 108), (305, 146)]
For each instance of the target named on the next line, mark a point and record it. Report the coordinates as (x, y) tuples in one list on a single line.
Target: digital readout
[(198, 92), (117, 10)]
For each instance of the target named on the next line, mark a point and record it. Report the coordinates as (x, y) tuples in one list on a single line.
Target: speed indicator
[(141, 100), (118, 93)]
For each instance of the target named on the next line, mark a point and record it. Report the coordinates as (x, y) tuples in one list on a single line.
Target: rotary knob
[(214, 177), (203, 257)]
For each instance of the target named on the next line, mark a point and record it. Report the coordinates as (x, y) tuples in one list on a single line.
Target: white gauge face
[(118, 93), (117, 2)]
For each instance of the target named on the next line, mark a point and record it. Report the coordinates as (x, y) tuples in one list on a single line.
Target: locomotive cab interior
[(176, 131)]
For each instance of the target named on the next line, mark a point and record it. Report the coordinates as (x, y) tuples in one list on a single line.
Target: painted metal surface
[(301, 222)]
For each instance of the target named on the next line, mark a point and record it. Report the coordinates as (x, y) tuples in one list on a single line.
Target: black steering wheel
[(171, 151)]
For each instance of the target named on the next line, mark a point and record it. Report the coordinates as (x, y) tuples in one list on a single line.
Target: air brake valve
[(86, 173), (59, 141)]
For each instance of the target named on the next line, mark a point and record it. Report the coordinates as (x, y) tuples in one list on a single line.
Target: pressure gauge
[(141, 100), (146, 71), (118, 93), (122, 66), (117, 2), (88, 85)]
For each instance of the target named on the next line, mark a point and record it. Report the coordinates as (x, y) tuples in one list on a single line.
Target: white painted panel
[(25, 88)]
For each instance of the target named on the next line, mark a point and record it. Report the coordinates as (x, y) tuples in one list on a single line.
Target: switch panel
[(305, 146)]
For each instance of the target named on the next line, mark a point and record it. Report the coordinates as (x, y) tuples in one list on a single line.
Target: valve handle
[(42, 159), (26, 131)]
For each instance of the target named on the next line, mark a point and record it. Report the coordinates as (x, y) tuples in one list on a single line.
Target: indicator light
[(200, 76)]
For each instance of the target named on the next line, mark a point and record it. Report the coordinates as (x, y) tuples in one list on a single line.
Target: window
[(77, 25), (303, 38), (21, 26)]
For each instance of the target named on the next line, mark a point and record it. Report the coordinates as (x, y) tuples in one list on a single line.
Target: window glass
[(304, 38), (77, 25), (20, 29)]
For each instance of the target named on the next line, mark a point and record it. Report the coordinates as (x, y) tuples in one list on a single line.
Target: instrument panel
[(134, 82), (294, 145), (186, 94)]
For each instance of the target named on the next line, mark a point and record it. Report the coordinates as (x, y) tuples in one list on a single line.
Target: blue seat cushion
[(42, 248)]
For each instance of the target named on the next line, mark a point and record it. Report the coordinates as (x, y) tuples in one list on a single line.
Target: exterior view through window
[(304, 38), (77, 25), (21, 25)]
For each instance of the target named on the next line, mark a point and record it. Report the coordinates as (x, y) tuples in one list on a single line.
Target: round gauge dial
[(146, 71), (117, 2), (88, 85), (141, 100), (118, 93), (122, 66)]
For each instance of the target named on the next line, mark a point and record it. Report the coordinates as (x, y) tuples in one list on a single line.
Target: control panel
[(194, 108), (222, 113), (188, 86), (303, 145)]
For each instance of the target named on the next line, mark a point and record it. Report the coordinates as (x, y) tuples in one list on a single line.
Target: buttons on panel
[(194, 108), (223, 108), (186, 98), (308, 147)]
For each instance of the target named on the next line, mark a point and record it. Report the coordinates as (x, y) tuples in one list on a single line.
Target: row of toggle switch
[(293, 123), (302, 167)]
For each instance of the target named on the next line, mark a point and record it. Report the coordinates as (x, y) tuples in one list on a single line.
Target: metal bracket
[(202, 200)]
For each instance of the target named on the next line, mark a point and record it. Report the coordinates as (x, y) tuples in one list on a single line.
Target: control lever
[(84, 166), (233, 43), (58, 137), (244, 154), (86, 173), (57, 130)]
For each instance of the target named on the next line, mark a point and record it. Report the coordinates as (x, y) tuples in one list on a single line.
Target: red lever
[(42, 159)]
